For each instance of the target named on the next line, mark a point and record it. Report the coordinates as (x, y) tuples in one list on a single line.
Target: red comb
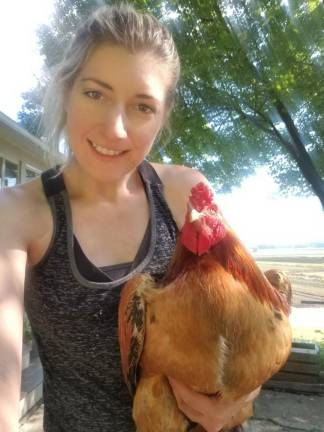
[(201, 196)]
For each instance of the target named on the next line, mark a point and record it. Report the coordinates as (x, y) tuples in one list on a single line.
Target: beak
[(193, 215)]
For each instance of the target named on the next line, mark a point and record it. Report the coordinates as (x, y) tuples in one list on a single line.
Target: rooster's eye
[(213, 208)]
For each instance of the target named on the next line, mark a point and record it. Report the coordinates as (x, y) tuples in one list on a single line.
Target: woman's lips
[(104, 151)]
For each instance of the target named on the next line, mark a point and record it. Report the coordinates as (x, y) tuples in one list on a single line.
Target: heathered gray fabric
[(74, 322)]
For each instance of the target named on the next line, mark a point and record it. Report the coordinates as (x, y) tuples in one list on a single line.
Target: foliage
[(27, 331), (252, 90), (252, 62), (29, 116)]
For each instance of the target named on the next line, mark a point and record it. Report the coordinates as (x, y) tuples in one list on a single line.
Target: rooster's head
[(203, 227)]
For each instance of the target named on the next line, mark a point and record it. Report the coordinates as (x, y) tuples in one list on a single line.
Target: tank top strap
[(153, 181), (52, 181), (55, 192), (148, 173)]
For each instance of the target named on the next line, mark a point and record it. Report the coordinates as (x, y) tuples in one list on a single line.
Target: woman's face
[(115, 109)]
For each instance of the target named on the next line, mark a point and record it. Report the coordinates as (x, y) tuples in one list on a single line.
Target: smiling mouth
[(105, 151)]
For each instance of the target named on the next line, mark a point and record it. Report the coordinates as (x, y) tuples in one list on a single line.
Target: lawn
[(311, 335)]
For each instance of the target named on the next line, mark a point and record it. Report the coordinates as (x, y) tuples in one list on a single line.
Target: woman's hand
[(211, 412)]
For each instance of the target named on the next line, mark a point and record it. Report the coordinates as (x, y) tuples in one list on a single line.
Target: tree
[(254, 75), (251, 91), (29, 115)]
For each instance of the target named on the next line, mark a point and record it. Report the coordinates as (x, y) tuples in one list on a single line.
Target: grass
[(311, 335)]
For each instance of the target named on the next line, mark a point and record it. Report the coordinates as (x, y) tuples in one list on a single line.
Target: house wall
[(22, 156), (25, 161)]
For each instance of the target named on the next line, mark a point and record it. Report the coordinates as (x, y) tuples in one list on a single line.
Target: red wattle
[(200, 240), (189, 238), (203, 245)]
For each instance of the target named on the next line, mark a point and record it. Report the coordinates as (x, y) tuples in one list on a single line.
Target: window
[(10, 174), (30, 174)]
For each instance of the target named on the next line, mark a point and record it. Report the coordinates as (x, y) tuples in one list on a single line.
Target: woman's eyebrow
[(97, 81), (109, 87)]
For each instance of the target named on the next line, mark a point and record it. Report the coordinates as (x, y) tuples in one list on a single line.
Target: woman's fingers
[(191, 403), (186, 399), (212, 412)]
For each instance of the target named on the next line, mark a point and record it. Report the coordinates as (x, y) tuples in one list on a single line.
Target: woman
[(83, 230)]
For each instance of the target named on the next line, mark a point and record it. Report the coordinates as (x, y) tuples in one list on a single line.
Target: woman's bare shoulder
[(178, 181), (23, 210), (182, 173)]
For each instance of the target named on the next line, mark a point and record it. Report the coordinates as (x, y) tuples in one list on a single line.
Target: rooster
[(214, 323)]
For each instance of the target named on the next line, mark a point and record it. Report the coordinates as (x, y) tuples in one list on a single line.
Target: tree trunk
[(295, 146), (299, 153)]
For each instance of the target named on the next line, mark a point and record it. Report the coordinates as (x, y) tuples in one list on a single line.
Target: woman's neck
[(80, 185)]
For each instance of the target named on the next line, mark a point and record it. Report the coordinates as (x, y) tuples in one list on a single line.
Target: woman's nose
[(115, 125)]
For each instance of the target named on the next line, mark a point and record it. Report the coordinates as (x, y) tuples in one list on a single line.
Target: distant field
[(305, 268)]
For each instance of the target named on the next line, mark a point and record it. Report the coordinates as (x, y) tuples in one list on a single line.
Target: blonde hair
[(119, 25)]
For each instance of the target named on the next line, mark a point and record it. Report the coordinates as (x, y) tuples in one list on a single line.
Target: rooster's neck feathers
[(211, 238), (236, 260)]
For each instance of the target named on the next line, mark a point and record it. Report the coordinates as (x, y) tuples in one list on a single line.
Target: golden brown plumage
[(214, 323)]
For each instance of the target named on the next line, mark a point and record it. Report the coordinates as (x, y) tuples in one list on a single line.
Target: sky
[(255, 210)]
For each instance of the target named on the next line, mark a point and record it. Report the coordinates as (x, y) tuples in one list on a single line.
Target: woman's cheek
[(77, 127)]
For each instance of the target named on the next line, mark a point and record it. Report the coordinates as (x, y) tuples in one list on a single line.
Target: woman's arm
[(13, 258)]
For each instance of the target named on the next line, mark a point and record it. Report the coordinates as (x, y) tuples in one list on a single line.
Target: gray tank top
[(72, 307)]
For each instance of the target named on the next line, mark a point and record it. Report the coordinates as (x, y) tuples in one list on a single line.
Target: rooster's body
[(215, 324)]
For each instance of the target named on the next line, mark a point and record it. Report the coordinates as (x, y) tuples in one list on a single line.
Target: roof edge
[(14, 126)]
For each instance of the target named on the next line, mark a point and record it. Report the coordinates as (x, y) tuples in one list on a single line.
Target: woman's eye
[(146, 109), (93, 94)]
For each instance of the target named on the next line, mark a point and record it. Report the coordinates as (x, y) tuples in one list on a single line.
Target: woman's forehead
[(116, 66)]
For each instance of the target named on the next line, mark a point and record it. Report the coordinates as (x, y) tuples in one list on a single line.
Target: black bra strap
[(53, 182)]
